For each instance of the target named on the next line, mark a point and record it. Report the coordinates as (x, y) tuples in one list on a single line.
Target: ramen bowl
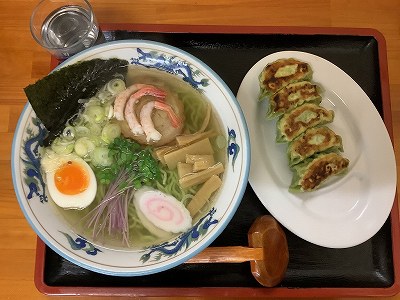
[(56, 231)]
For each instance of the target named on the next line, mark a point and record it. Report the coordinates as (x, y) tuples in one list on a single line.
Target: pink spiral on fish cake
[(163, 210)]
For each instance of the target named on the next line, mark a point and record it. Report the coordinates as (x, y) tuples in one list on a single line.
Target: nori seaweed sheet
[(55, 98)]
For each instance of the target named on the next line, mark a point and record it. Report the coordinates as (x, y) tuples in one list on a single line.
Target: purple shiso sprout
[(112, 211)]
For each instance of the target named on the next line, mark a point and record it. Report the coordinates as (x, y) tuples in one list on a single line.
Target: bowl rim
[(242, 182)]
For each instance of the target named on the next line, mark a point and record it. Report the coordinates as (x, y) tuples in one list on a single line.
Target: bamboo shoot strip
[(201, 147), (185, 139), (184, 169), (202, 165), (200, 177), (204, 194), (161, 151), (192, 158)]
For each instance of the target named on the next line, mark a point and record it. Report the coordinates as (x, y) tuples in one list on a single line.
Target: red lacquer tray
[(370, 269)]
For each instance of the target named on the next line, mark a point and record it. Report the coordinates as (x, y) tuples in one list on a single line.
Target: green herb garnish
[(129, 157)]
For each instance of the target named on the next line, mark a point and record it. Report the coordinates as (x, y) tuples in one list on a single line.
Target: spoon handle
[(230, 254)]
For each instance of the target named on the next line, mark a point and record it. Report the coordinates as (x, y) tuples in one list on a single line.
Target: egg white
[(78, 201)]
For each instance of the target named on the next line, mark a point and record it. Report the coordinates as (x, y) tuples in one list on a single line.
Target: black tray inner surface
[(231, 56)]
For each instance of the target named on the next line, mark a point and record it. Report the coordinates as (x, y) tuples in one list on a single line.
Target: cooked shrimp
[(122, 98), (152, 134), (130, 114)]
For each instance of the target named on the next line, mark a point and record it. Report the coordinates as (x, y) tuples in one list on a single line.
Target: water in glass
[(65, 28)]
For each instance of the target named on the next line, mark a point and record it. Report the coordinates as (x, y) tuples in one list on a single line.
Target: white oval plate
[(351, 208), (59, 236)]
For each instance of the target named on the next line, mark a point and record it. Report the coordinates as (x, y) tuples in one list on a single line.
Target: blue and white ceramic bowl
[(57, 234)]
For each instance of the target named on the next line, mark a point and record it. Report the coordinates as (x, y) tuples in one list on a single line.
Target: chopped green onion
[(95, 129), (61, 146), (97, 140), (110, 132), (83, 146), (101, 158), (105, 96), (81, 131), (68, 133), (115, 86), (95, 113), (94, 101)]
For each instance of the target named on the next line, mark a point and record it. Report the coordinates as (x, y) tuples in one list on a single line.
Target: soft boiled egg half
[(70, 180)]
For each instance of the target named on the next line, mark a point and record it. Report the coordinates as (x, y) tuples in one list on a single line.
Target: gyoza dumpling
[(280, 73), (298, 120), (293, 95), (310, 174), (314, 140)]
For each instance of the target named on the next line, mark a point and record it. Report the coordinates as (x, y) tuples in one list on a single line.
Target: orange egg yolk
[(71, 178)]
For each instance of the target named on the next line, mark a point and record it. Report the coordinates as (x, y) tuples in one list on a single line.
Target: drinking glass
[(65, 27)]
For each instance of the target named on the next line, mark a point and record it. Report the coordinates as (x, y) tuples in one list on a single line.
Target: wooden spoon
[(268, 252)]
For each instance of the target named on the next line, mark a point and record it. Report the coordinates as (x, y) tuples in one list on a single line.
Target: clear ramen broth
[(195, 108)]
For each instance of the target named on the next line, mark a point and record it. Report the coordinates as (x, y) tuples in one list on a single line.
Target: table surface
[(23, 62)]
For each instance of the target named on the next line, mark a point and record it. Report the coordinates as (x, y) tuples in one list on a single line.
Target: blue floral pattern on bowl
[(183, 241), (172, 65), (233, 148), (32, 175), (80, 243)]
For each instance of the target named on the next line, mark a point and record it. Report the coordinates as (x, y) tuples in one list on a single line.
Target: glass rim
[(49, 47)]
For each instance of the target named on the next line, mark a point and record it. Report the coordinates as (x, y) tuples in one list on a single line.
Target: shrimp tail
[(175, 120)]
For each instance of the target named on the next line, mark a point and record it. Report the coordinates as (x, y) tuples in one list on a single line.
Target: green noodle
[(169, 184), (194, 111)]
